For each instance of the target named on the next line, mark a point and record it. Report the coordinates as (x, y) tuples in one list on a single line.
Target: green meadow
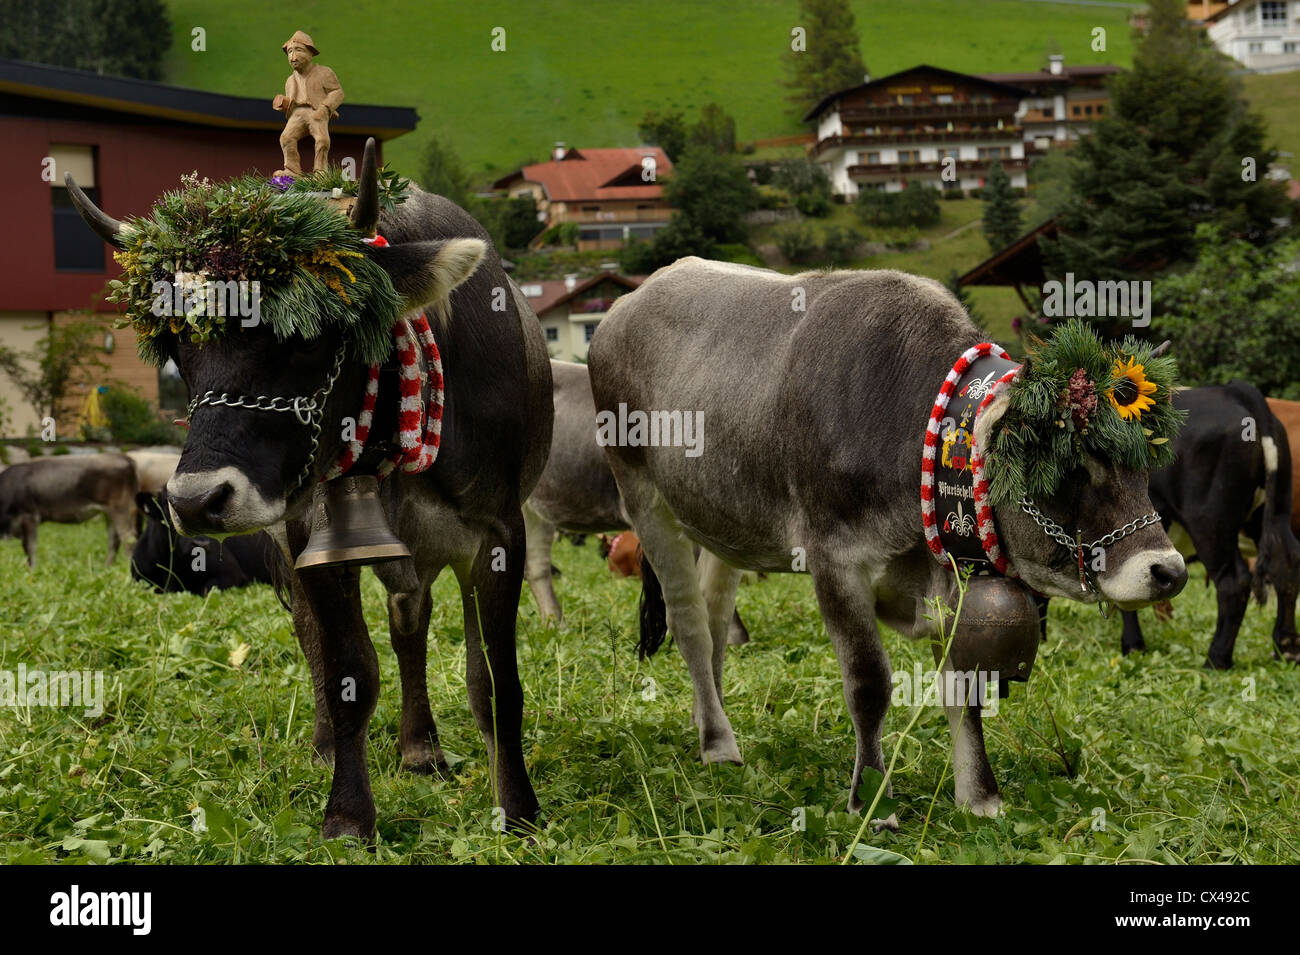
[(203, 750)]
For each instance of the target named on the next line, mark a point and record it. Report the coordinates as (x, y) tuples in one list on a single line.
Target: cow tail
[(653, 611), (1276, 560)]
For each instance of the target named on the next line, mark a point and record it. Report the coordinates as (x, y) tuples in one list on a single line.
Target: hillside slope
[(585, 72)]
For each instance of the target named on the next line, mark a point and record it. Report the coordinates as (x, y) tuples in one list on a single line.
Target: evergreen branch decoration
[(310, 263), (1075, 397), (392, 187)]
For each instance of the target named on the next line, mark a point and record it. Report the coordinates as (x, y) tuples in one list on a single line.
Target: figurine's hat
[(303, 39)]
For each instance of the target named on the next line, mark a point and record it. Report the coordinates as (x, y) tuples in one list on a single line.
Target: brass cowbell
[(349, 526)]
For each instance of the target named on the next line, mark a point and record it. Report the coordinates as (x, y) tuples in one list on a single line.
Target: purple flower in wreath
[(1016, 324), (282, 182)]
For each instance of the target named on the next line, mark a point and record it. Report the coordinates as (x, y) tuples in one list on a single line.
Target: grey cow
[(68, 490), (813, 424), (576, 492)]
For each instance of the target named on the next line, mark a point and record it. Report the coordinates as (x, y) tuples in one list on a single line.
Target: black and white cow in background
[(813, 426), (1232, 476), (238, 473), (195, 565), (576, 492), (68, 489)]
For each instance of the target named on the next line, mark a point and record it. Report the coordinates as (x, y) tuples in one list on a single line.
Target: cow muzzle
[(219, 503), (1144, 578)]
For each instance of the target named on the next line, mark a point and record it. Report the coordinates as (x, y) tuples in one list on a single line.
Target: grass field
[(1276, 96), (586, 72), (1186, 765)]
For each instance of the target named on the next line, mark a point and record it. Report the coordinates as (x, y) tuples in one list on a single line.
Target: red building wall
[(135, 162)]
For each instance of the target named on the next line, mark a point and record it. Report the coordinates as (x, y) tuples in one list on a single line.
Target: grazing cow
[(623, 553), (576, 492), (154, 468), (1288, 413), (1232, 476), (69, 489), (195, 565), (245, 467), (814, 393)]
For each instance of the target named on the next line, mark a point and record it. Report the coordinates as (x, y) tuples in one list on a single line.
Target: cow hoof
[(890, 823), (1136, 648), (737, 638), (340, 826), (1212, 664), (722, 751), (425, 764), (986, 807)]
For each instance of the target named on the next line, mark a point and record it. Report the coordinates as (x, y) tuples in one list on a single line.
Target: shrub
[(797, 243), (839, 244), (133, 420)]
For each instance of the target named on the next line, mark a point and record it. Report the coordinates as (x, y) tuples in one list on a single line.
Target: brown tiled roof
[(554, 292), (593, 174)]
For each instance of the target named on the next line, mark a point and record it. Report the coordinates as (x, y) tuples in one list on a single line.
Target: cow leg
[(408, 631), (332, 630), (737, 632), (673, 559), (1130, 639), (537, 567), (119, 529), (974, 785), (1286, 643), (848, 610), (27, 525), (718, 582), (489, 588), (1232, 587)]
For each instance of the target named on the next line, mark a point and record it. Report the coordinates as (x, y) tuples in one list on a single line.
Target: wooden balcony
[(614, 216), (881, 170), (943, 112), (959, 136)]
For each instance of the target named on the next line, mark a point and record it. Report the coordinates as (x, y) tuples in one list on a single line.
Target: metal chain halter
[(308, 411), (1076, 546)]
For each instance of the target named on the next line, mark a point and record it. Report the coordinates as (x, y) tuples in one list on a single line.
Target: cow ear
[(988, 419), (426, 272)]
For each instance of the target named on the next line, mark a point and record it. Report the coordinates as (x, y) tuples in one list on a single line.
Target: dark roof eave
[(989, 268), (829, 97), (142, 97)]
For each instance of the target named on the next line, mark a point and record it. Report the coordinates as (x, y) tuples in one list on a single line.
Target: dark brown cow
[(69, 489)]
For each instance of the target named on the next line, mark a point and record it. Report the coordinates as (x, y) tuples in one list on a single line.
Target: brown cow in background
[(1288, 412)]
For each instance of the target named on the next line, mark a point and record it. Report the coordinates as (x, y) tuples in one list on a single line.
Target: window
[(1047, 112), (1290, 46), (1087, 110), (943, 98), (909, 155), (1075, 110), (552, 334), (995, 152), (76, 248), (1255, 47), (873, 159), (1272, 13), (588, 329), (1101, 108)]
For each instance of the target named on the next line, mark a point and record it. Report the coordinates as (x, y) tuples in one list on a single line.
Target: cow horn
[(365, 214), (1161, 348), (104, 226)]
